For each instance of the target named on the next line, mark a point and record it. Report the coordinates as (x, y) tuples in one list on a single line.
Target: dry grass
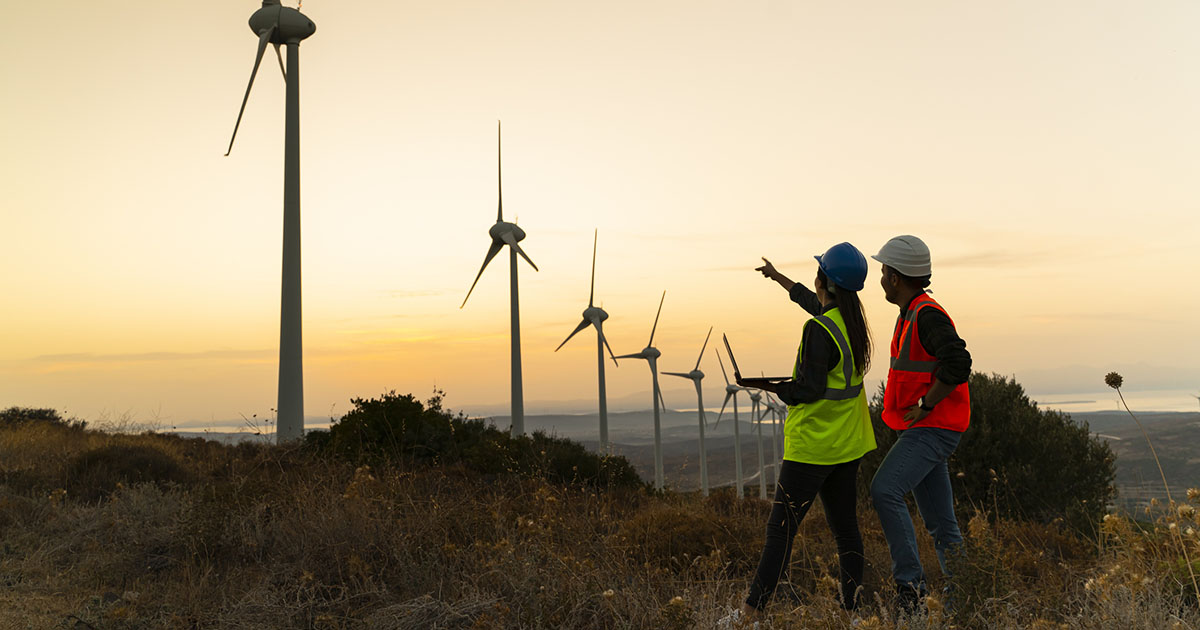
[(262, 537)]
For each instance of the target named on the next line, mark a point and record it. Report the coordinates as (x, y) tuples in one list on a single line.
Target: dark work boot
[(910, 600)]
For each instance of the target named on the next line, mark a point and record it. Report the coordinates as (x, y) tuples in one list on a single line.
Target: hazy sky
[(1046, 151)]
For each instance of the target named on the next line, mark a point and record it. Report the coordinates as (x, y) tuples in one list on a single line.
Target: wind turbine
[(595, 316), (280, 25), (505, 233), (772, 408), (778, 412), (651, 354), (696, 376), (731, 391), (755, 399)]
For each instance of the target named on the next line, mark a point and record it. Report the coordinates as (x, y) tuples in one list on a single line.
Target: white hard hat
[(906, 254)]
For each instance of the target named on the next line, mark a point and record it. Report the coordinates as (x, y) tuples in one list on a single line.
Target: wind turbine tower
[(651, 354), (696, 376), (505, 233), (774, 409), (731, 391), (755, 399), (284, 26), (595, 316)]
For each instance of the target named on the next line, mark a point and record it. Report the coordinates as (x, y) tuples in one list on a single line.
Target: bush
[(96, 473), (1017, 461), (400, 426), (17, 415)]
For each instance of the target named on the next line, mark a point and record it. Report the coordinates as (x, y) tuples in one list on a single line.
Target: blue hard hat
[(844, 265)]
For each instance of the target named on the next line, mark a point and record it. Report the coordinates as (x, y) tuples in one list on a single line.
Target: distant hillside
[(1175, 436)]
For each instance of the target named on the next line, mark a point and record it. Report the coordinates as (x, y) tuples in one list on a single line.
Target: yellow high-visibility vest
[(836, 428)]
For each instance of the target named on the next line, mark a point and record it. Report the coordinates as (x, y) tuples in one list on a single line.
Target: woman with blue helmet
[(828, 428)]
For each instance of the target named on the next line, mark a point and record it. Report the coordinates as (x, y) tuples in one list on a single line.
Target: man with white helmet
[(927, 400)]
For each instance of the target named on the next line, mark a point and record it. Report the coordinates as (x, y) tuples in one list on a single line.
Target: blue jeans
[(917, 463)]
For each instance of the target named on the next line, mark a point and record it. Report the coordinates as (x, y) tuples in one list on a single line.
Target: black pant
[(798, 486)]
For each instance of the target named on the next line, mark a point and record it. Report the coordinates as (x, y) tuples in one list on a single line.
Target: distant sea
[(1139, 401)]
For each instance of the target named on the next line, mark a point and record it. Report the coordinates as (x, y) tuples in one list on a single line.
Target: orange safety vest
[(911, 374)]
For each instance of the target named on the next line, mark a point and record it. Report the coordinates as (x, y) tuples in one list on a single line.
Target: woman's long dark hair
[(856, 322)]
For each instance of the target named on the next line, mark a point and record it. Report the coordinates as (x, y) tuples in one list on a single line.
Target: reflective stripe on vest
[(849, 391), (901, 361)]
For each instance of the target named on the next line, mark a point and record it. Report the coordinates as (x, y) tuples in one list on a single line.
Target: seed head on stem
[(1114, 380)]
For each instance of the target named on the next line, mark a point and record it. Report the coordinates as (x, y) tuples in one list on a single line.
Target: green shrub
[(16, 415), (400, 426), (95, 473)]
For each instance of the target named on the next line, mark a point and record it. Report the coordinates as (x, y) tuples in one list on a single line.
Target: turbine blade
[(499, 178), (661, 399), (600, 332), (492, 251), (512, 242), (723, 405), (279, 56), (677, 374), (263, 38), (722, 366), (636, 355), (592, 293), (660, 303), (702, 348), (581, 326)]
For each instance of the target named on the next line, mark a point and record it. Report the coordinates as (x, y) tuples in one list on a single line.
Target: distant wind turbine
[(778, 413), (696, 376), (731, 391), (755, 399), (595, 316), (504, 233), (651, 354), (280, 25)]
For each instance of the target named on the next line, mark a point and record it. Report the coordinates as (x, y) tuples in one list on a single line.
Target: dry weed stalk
[(1114, 380)]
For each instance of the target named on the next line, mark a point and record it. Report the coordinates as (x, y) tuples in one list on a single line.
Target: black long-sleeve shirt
[(818, 353), (939, 338)]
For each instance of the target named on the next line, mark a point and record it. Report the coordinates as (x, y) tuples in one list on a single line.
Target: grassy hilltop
[(404, 516)]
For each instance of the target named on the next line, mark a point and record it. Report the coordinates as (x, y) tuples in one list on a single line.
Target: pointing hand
[(768, 270)]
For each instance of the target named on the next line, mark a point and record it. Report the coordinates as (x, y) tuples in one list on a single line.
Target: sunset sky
[(1047, 151)]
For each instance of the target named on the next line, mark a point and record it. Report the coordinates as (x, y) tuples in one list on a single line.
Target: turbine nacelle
[(594, 314), (290, 25), (650, 353), (501, 228)]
